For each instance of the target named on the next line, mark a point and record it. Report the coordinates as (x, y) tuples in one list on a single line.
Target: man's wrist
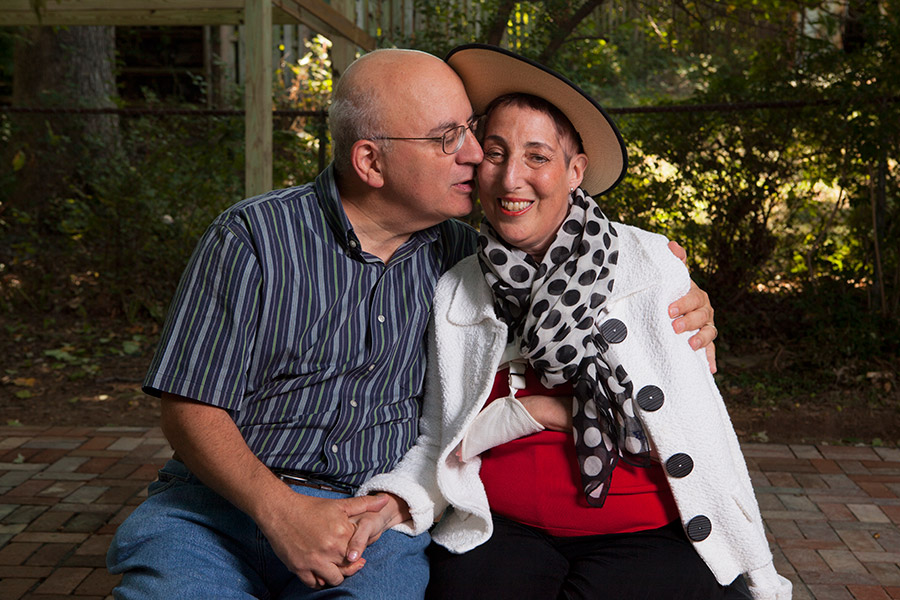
[(265, 507)]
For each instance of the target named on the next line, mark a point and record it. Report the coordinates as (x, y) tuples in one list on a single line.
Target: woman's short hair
[(572, 144)]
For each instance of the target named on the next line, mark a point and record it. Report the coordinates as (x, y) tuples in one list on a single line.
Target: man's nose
[(471, 152)]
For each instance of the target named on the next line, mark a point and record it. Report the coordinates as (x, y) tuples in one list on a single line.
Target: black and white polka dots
[(552, 308)]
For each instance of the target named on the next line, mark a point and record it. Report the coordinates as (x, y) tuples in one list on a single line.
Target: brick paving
[(832, 512)]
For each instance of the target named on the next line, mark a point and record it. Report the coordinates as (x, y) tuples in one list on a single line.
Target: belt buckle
[(309, 482)]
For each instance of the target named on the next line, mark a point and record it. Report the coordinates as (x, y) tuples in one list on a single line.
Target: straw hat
[(489, 72)]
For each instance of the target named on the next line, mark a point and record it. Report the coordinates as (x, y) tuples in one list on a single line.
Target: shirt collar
[(329, 199), (330, 202)]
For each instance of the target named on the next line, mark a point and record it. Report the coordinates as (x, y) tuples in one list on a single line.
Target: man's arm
[(310, 535)]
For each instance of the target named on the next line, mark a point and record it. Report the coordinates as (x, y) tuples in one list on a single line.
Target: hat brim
[(489, 72)]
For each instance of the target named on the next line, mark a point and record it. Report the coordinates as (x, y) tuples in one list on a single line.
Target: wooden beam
[(157, 17), (297, 15), (258, 97), (122, 12), (316, 14), (116, 5), (124, 17), (332, 19)]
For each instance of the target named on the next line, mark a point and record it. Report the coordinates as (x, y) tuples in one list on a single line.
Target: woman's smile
[(514, 207)]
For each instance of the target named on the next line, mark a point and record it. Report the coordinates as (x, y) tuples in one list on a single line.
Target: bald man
[(290, 366)]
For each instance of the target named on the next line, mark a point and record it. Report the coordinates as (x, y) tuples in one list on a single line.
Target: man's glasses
[(451, 141)]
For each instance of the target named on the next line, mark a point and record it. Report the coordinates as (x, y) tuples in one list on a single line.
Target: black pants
[(520, 562)]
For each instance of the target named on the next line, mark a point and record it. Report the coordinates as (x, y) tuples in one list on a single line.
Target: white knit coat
[(466, 341)]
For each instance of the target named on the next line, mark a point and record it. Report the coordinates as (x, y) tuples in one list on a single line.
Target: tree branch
[(565, 28)]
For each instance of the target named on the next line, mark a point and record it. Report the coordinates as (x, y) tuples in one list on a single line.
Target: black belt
[(306, 480)]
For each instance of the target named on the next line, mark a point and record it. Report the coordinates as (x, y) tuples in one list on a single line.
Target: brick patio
[(833, 512)]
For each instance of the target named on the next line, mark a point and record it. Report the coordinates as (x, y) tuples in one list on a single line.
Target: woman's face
[(524, 181)]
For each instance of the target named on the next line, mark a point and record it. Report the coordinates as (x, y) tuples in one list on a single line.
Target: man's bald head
[(379, 89)]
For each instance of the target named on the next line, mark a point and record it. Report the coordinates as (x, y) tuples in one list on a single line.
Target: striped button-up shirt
[(315, 347)]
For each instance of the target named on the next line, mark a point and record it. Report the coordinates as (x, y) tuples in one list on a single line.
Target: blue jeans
[(186, 541)]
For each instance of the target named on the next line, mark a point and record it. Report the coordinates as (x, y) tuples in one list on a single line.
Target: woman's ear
[(367, 159), (576, 169)]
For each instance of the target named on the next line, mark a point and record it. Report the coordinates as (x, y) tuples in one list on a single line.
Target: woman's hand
[(370, 525), (553, 412)]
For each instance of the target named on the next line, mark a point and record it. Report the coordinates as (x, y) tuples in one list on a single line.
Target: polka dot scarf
[(554, 308)]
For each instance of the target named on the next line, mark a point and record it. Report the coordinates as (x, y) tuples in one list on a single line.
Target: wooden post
[(258, 97)]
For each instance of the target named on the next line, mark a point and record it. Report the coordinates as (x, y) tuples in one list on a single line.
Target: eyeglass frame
[(472, 125)]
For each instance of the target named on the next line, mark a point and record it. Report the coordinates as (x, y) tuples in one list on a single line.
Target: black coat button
[(699, 528), (613, 331), (679, 465), (650, 398)]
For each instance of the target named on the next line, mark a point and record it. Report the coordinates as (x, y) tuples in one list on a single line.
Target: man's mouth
[(465, 186)]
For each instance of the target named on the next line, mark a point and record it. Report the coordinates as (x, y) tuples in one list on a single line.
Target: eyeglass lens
[(452, 140)]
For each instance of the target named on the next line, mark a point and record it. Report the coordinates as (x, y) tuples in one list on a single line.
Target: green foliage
[(143, 208), (789, 213), (113, 239), (304, 85), (733, 179), (117, 241), (798, 203), (857, 150), (444, 24)]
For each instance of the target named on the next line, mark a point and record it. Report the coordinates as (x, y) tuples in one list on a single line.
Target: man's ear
[(367, 159)]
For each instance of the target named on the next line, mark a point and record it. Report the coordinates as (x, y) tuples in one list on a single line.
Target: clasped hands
[(322, 540)]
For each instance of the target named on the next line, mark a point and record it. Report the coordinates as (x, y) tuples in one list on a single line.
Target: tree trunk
[(497, 27), (878, 203), (855, 35), (60, 68)]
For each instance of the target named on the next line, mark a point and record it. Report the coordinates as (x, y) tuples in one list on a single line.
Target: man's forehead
[(434, 106)]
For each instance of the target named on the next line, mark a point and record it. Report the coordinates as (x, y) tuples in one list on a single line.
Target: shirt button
[(353, 243), (334, 448), (371, 367), (381, 318), (353, 403)]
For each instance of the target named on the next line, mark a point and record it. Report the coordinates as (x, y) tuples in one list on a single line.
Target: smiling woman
[(530, 167), (561, 431)]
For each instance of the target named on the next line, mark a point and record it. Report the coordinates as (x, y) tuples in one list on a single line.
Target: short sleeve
[(204, 349)]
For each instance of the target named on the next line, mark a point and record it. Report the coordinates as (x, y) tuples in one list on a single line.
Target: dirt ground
[(72, 374)]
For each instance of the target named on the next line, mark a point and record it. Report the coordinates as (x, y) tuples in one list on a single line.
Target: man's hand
[(311, 535), (693, 311), (371, 524)]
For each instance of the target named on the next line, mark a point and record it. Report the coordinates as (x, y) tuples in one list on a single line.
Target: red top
[(535, 480)]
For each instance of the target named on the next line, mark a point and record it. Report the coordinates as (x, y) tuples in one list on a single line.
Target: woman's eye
[(538, 158), (493, 155)]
